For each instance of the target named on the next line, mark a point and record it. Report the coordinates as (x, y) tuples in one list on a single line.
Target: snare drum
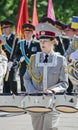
[(66, 103), (11, 103), (38, 102)]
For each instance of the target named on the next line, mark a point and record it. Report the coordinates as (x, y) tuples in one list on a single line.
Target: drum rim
[(71, 94), (12, 111), (11, 94), (38, 107), (66, 107), (40, 94)]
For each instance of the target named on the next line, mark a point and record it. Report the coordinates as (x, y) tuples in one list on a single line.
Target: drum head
[(11, 109), (38, 109), (66, 109)]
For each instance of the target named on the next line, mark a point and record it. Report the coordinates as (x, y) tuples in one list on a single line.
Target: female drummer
[(3, 66), (47, 73)]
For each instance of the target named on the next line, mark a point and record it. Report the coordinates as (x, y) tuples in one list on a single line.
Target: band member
[(47, 72), (3, 66), (69, 33), (28, 47), (61, 46), (58, 47), (72, 52), (11, 47), (74, 44)]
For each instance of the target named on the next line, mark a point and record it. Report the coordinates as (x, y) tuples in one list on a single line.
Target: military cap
[(45, 30), (5, 24), (74, 23), (28, 27), (48, 20), (68, 26), (60, 25)]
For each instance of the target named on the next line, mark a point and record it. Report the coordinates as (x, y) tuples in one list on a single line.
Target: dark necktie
[(6, 38), (46, 59)]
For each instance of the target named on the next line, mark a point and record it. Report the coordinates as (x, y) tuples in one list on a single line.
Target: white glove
[(74, 55), (10, 64), (22, 59), (2, 39)]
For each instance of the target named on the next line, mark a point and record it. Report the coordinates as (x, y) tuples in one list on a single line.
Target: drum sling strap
[(8, 48), (23, 51)]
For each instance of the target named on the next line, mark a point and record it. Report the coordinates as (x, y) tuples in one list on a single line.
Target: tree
[(64, 10)]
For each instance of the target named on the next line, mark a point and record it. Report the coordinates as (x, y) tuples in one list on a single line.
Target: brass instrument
[(73, 72)]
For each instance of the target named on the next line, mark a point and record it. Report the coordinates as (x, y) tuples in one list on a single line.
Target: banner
[(22, 17), (50, 12), (34, 15)]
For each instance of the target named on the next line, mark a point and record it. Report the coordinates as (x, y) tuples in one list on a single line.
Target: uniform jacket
[(56, 73), (66, 42), (16, 52), (73, 46), (59, 47), (32, 49)]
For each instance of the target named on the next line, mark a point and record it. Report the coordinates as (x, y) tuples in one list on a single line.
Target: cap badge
[(42, 33)]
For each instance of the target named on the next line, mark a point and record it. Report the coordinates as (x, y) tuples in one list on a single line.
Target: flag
[(74, 23), (22, 17), (50, 12), (34, 15)]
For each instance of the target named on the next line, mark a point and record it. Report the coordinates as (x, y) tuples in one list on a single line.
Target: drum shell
[(37, 102), (11, 103), (66, 103)]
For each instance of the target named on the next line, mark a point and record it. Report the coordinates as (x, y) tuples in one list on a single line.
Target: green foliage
[(64, 9)]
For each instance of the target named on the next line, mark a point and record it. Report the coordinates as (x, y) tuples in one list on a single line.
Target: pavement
[(23, 121), (68, 121)]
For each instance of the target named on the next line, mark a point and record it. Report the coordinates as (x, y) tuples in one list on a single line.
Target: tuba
[(73, 72)]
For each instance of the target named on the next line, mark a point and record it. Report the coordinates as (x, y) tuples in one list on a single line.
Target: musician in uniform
[(47, 72), (61, 47), (72, 52), (12, 49), (28, 47), (58, 47), (74, 44), (67, 41)]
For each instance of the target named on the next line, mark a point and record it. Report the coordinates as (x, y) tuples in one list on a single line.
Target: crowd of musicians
[(18, 55), (17, 52)]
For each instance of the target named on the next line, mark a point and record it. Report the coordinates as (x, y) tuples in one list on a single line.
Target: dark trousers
[(22, 71), (70, 88), (11, 83)]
